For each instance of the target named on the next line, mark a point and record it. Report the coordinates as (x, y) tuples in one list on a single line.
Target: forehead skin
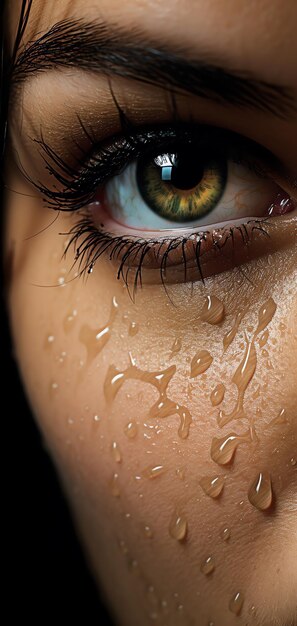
[(256, 31), (66, 390)]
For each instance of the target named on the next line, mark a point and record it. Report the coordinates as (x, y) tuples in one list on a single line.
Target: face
[(153, 296)]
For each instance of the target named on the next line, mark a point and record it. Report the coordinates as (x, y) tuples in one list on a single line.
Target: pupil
[(186, 173)]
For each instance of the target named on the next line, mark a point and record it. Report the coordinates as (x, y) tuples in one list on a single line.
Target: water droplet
[(236, 603), (212, 485), (154, 616), (95, 339), (152, 596), (53, 388), (265, 315), (114, 486), (96, 418), (180, 472), (225, 533), (252, 611), (293, 461), (257, 393), (153, 472), (223, 448), (69, 320), (148, 531), (123, 546), (207, 566), (178, 526), (116, 453), (264, 338), (217, 394), (176, 347), (241, 378), (260, 492), (230, 335), (281, 418), (131, 429), (133, 566), (164, 607), (133, 329), (49, 340), (164, 406), (62, 357), (213, 310), (200, 363)]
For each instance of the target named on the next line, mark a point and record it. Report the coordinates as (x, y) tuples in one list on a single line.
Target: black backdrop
[(48, 576), (45, 576)]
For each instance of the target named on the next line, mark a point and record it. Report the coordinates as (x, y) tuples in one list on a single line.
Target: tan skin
[(149, 570)]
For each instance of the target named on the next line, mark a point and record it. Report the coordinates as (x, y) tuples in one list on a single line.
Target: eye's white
[(246, 196)]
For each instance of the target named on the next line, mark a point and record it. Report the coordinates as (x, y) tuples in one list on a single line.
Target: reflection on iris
[(183, 186)]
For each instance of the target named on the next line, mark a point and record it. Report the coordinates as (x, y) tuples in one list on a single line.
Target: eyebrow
[(102, 48)]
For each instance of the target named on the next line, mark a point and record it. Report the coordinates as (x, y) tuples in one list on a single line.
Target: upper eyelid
[(137, 139), (78, 193), (171, 110)]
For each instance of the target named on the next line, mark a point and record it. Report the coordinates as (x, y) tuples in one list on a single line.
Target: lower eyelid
[(231, 242), (183, 259), (182, 266)]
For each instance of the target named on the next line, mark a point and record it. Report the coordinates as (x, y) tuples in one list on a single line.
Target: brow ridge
[(99, 47)]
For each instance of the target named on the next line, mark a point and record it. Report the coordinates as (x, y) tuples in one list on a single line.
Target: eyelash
[(108, 159), (79, 185), (97, 243)]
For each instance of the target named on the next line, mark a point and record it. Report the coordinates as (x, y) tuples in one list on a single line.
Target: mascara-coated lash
[(76, 186)]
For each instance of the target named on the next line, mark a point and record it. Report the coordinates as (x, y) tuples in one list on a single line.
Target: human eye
[(172, 203)]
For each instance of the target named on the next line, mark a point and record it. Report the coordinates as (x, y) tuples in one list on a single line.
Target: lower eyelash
[(90, 244)]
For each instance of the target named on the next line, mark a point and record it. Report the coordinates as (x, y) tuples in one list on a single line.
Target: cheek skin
[(142, 495)]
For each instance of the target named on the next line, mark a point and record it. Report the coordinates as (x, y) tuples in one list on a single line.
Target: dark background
[(45, 576), (47, 571)]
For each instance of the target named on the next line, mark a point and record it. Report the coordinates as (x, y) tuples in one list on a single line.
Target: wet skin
[(179, 527)]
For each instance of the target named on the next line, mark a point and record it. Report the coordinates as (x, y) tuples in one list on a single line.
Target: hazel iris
[(182, 186)]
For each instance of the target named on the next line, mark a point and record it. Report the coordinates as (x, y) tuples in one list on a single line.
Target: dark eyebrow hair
[(99, 47)]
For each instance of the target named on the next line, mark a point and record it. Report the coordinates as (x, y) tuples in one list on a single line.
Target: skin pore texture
[(172, 418)]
